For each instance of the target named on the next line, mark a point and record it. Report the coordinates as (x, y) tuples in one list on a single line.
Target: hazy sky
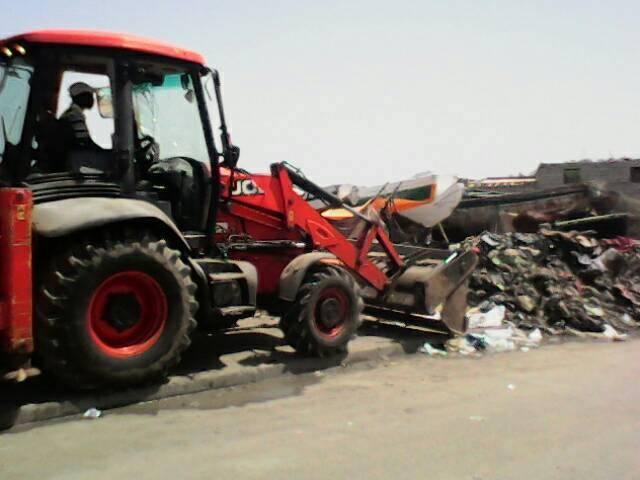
[(369, 91)]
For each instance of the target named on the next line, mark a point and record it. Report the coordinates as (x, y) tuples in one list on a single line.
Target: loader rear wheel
[(114, 312), (325, 315)]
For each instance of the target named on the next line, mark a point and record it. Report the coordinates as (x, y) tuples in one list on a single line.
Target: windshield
[(15, 76), (169, 113)]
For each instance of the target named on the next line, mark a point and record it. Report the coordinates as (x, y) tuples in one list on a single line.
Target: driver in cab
[(75, 131), (73, 120)]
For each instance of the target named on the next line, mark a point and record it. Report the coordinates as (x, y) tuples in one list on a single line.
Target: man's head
[(82, 95)]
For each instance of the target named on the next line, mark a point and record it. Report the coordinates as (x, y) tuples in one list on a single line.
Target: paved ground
[(572, 411), (254, 351)]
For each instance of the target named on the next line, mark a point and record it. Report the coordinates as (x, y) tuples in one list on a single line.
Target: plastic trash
[(613, 334), (511, 386), (460, 345), (476, 418), (627, 320), (498, 334), (596, 311), (476, 341), (492, 318), (502, 345), (92, 413), (535, 336), (432, 351), (499, 340), (487, 238)]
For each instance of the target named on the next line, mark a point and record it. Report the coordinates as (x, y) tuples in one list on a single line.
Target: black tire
[(114, 312), (304, 325)]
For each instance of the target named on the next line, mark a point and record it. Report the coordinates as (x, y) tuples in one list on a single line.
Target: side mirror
[(231, 156), (105, 102)]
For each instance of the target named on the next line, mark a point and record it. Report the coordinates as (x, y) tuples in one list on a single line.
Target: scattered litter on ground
[(511, 386), (92, 413), (609, 333), (535, 336), (506, 338), (432, 351), (20, 375), (612, 333), (476, 418), (498, 340), (17, 376), (460, 345)]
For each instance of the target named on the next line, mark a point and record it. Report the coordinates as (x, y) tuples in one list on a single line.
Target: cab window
[(100, 129), (15, 76), (70, 133), (167, 111)]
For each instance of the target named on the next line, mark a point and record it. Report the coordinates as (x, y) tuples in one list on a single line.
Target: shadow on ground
[(252, 344)]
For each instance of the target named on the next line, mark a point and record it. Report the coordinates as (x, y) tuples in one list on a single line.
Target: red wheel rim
[(144, 325), (331, 312)]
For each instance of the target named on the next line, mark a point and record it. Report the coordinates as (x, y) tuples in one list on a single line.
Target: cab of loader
[(149, 128)]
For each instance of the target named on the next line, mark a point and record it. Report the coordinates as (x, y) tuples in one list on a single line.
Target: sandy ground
[(561, 412)]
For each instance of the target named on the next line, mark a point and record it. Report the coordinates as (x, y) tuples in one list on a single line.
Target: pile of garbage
[(556, 281), (551, 282)]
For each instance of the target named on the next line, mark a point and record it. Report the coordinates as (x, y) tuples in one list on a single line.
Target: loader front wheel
[(114, 312), (325, 315)]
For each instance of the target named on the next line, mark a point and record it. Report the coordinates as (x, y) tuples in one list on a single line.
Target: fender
[(292, 276), (63, 217)]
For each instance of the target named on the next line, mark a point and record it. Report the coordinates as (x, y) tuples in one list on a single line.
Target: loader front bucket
[(426, 289)]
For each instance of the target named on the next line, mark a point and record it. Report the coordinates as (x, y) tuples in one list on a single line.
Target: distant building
[(620, 175), (503, 183)]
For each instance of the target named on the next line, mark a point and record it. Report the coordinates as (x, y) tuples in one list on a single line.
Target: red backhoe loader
[(126, 227)]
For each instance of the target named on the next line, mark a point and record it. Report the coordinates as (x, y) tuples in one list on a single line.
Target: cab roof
[(92, 38)]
